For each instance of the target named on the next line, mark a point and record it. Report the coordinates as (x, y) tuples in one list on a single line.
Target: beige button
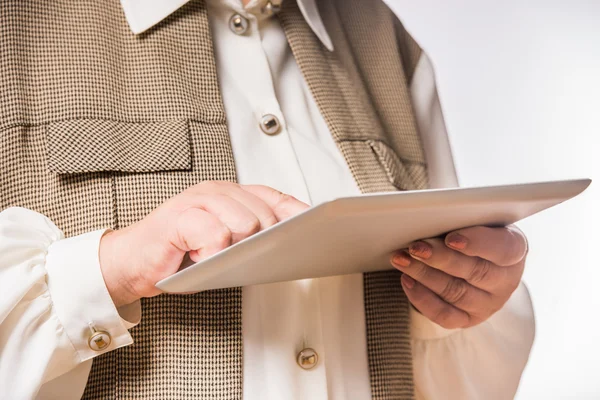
[(238, 24), (272, 7), (99, 340), (270, 124), (307, 359)]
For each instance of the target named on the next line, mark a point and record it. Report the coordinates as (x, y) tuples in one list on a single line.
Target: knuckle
[(421, 273), (480, 271), (209, 186), (222, 237), (284, 198), (283, 201), (455, 291), (444, 318), (249, 227), (269, 220)]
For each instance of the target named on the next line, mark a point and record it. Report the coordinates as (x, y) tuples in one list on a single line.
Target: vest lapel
[(344, 101)]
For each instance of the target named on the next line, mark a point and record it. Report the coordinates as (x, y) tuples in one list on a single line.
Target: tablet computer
[(358, 234)]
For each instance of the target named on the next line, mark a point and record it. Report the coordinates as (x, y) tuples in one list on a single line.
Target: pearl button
[(99, 340), (307, 359), (238, 24), (270, 124)]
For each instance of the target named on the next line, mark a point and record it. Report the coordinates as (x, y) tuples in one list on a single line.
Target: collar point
[(142, 16)]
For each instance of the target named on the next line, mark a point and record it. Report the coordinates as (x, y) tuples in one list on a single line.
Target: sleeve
[(55, 310), (482, 362), (485, 361), (431, 126)]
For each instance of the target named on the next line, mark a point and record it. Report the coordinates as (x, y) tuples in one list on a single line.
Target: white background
[(519, 83)]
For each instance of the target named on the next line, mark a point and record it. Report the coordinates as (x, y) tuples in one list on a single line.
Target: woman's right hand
[(202, 220)]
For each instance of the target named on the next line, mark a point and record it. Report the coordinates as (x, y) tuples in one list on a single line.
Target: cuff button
[(99, 340), (307, 359)]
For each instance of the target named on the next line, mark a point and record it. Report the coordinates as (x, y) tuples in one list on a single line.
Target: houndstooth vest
[(99, 126)]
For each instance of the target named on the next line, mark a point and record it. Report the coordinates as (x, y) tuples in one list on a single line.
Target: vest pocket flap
[(403, 174), (89, 145)]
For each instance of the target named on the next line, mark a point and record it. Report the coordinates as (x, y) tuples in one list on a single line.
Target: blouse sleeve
[(53, 299), (485, 361), (482, 362)]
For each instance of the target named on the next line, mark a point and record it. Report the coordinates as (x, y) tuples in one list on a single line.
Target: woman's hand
[(202, 220), (462, 280)]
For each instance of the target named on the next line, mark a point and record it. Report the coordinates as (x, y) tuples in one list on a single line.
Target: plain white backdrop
[(519, 83)]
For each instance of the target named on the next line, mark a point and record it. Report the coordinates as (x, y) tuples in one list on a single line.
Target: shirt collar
[(144, 14)]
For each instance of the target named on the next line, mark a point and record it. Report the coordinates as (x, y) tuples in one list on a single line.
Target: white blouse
[(53, 293)]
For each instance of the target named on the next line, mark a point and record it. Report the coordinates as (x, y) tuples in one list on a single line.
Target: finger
[(432, 307), (502, 246), (452, 290), (201, 233), (476, 271), (283, 205), (263, 212), (240, 221)]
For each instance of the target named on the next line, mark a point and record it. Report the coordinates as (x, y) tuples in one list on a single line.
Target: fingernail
[(420, 249), (456, 241), (401, 259), (407, 281)]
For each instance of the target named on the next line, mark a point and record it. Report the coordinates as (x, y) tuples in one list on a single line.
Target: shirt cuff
[(80, 298)]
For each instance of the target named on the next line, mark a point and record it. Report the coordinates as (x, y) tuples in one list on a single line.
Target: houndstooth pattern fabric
[(388, 337), (66, 60), (404, 175), (117, 146), (386, 59), (99, 126)]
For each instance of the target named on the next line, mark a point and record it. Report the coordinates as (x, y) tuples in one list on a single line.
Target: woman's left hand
[(463, 279)]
